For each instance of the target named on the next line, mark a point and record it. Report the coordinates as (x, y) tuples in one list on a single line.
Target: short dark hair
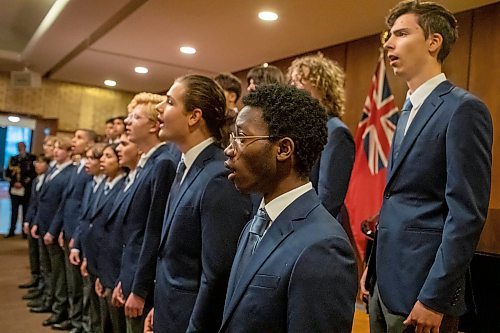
[(230, 83), (432, 18), (42, 158), (91, 134), (290, 112), (122, 118), (204, 93), (266, 74), (110, 120), (97, 149)]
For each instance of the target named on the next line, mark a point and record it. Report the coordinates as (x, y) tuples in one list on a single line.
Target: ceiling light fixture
[(268, 16), (187, 50), (14, 119), (141, 70), (110, 83)]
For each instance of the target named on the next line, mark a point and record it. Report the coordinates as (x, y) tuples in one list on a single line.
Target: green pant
[(75, 289), (58, 280)]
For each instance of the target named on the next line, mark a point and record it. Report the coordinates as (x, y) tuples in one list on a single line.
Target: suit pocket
[(425, 230), (265, 281)]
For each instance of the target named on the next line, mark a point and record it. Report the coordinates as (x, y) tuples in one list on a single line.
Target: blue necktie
[(258, 226), (400, 129), (107, 188), (181, 167)]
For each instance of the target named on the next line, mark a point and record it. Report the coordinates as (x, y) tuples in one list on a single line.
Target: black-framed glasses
[(237, 140)]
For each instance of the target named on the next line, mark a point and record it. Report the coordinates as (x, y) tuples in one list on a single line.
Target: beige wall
[(75, 106)]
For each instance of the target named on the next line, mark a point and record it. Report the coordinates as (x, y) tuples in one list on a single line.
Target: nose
[(229, 151), (388, 43), (160, 106)]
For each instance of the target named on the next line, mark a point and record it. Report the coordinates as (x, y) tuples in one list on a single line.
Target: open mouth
[(392, 58)]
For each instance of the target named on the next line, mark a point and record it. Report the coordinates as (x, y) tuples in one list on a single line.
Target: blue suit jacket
[(135, 225), (33, 205), (96, 245), (435, 204), (330, 175), (301, 278), (85, 211), (199, 238), (50, 197), (67, 217)]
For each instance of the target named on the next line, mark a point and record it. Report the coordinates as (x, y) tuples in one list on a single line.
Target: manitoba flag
[(373, 144)]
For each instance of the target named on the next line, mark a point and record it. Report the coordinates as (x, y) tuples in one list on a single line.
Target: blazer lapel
[(275, 235), (193, 172), (424, 114)]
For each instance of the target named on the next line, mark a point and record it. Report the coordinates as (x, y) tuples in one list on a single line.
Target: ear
[(286, 148), (435, 42), (155, 127), (195, 116)]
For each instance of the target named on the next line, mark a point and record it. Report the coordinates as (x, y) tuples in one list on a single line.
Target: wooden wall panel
[(456, 66), (483, 82), (361, 60)]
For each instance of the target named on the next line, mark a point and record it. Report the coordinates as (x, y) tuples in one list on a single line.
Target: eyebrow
[(399, 30)]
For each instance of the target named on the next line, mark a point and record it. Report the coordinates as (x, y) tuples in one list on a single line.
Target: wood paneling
[(483, 82)]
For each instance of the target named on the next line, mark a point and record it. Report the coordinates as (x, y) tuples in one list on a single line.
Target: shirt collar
[(99, 178), (190, 156), (276, 206), (112, 183), (421, 93), (64, 165), (145, 156)]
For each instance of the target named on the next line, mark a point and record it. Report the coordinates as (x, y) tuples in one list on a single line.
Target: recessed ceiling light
[(188, 50), (110, 83), (268, 16), (141, 70), (14, 119)]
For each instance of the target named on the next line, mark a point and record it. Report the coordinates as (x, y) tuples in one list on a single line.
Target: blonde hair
[(149, 101), (49, 139), (63, 142), (327, 76)]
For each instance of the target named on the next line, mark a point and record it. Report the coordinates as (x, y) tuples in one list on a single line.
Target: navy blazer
[(331, 173), (96, 243), (33, 205), (135, 224), (67, 217), (88, 207), (199, 238), (301, 278), (435, 204), (50, 197)]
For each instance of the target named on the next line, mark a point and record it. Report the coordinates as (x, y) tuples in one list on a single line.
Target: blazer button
[(387, 195), (123, 245)]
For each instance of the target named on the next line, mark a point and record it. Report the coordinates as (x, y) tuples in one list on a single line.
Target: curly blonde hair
[(325, 75), (150, 101)]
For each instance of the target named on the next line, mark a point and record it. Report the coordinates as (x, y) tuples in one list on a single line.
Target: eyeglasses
[(237, 140)]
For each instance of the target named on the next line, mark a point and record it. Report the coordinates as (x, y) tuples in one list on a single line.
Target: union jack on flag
[(373, 145), (378, 121)]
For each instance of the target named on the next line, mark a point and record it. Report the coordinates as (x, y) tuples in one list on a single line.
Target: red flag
[(373, 145)]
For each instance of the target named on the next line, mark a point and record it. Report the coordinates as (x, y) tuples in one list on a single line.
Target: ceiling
[(89, 41)]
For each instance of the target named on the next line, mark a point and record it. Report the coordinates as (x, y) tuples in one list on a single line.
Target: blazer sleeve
[(322, 288), (224, 213), (146, 265), (337, 160), (32, 207), (468, 161)]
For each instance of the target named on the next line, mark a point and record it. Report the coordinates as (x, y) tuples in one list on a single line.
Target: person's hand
[(362, 282), (60, 240), (34, 232), (99, 289), (424, 319), (83, 268), (48, 239), (117, 298), (134, 306), (148, 323), (71, 243), (26, 227), (74, 257)]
